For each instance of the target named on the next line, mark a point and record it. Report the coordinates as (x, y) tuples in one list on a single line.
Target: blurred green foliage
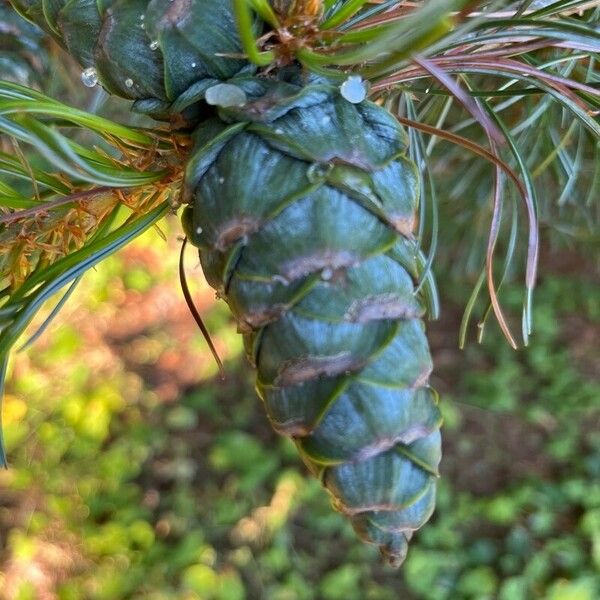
[(137, 473)]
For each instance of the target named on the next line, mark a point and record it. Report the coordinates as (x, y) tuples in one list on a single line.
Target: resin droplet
[(89, 77), (225, 94), (154, 45), (129, 82), (354, 89)]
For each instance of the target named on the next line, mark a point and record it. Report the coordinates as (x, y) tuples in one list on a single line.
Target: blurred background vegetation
[(136, 472)]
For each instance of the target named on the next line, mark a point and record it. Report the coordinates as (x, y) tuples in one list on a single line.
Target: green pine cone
[(302, 206), (162, 54)]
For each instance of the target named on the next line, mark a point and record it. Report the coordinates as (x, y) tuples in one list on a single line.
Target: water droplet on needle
[(89, 77), (225, 94), (354, 89)]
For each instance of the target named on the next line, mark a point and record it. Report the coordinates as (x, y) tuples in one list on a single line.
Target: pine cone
[(302, 206), (162, 54)]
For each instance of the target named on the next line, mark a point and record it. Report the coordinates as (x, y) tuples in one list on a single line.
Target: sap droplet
[(194, 65), (354, 89), (198, 230), (89, 77), (326, 274), (279, 131), (225, 94), (317, 172), (154, 45), (221, 179), (129, 82)]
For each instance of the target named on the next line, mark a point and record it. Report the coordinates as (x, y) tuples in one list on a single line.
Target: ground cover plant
[(288, 154)]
